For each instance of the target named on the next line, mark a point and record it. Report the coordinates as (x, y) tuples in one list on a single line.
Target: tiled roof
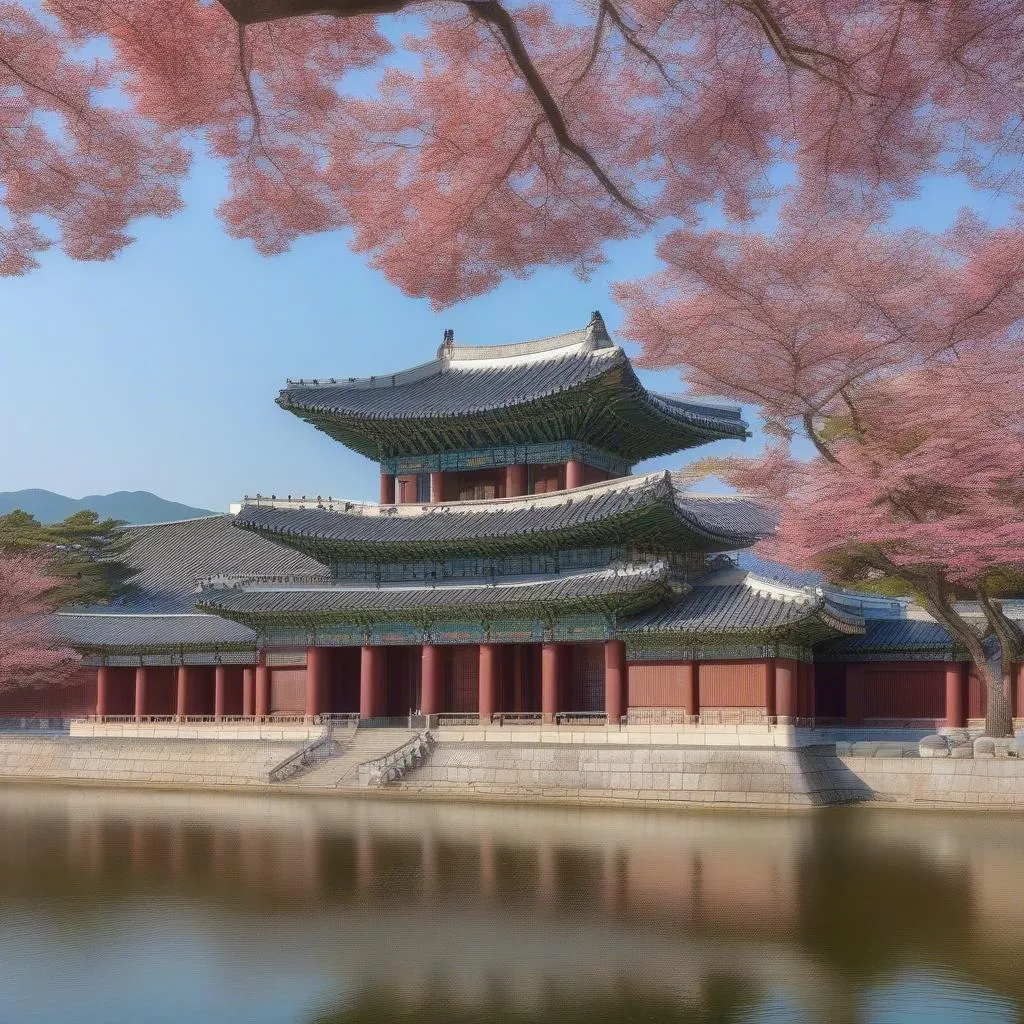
[(465, 386), (892, 636), (778, 572), (170, 559), (629, 510), (628, 586), (747, 605), (146, 632)]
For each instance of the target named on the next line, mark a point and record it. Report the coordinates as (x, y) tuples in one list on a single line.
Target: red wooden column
[(371, 683), (956, 695), (220, 679), (614, 680), (316, 679), (262, 709), (573, 474), (181, 704), (855, 677), (488, 681), (249, 690), (769, 689), (689, 677), (387, 489), (515, 481), (549, 656), (808, 705), (436, 488), (432, 680), (786, 707), (102, 691), (140, 692)]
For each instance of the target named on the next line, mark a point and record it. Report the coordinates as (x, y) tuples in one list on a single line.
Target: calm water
[(126, 907)]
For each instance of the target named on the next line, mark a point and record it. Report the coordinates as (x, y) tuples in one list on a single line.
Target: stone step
[(342, 771)]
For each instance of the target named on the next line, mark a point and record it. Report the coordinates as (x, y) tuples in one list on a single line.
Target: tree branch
[(494, 14), (819, 444)]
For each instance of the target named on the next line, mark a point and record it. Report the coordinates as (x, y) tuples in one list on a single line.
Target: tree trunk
[(999, 678), (998, 690), (998, 713)]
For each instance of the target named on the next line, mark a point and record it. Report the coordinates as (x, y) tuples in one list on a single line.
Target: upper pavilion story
[(508, 420)]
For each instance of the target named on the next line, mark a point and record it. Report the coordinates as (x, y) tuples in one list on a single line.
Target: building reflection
[(469, 903)]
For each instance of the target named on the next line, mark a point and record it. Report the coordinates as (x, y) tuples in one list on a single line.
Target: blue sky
[(158, 371)]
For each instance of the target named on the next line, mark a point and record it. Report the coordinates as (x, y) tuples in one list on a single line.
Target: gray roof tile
[(718, 522), (256, 601)]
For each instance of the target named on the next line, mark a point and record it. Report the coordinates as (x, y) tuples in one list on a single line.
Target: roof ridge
[(585, 340), (175, 522)]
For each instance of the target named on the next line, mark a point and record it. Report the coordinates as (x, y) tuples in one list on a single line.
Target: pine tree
[(85, 555)]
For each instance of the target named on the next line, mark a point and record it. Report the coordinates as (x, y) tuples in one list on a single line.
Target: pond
[(122, 906)]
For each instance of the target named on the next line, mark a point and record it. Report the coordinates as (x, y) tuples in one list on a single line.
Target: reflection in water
[(168, 907)]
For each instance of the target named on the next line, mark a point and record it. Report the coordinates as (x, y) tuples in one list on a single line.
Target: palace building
[(514, 569)]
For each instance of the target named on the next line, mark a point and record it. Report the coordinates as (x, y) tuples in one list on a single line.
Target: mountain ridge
[(136, 507)]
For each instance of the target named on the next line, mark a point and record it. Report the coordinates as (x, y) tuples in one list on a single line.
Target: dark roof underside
[(594, 398)]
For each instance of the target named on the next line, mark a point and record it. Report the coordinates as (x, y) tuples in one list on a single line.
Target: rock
[(984, 746), (965, 750), (933, 746)]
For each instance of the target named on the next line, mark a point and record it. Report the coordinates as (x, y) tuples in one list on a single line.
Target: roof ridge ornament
[(444, 350), (597, 331)]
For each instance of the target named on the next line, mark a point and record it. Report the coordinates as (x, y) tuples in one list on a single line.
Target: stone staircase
[(342, 770)]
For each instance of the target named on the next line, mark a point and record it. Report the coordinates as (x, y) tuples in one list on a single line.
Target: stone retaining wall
[(942, 782), (736, 776), (652, 773), (192, 763)]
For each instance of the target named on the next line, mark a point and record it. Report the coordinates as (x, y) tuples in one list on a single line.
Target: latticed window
[(423, 488)]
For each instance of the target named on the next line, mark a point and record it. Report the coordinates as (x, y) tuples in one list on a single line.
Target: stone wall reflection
[(447, 895)]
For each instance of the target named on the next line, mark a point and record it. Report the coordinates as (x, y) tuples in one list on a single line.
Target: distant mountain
[(129, 506)]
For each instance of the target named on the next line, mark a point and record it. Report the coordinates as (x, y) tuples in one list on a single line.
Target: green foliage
[(86, 554)]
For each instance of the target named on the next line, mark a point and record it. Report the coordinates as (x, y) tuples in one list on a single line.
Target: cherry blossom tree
[(493, 136), (898, 355), (29, 655)]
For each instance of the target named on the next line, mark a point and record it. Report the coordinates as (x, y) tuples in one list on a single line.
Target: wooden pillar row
[(249, 690), (316, 680), (956, 695), (262, 697), (181, 702), (372, 692), (614, 680), (432, 680), (436, 488), (488, 683), (549, 670), (220, 679), (786, 702), (140, 692), (515, 481), (102, 691)]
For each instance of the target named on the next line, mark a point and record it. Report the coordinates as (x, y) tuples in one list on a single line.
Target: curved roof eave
[(530, 522)]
